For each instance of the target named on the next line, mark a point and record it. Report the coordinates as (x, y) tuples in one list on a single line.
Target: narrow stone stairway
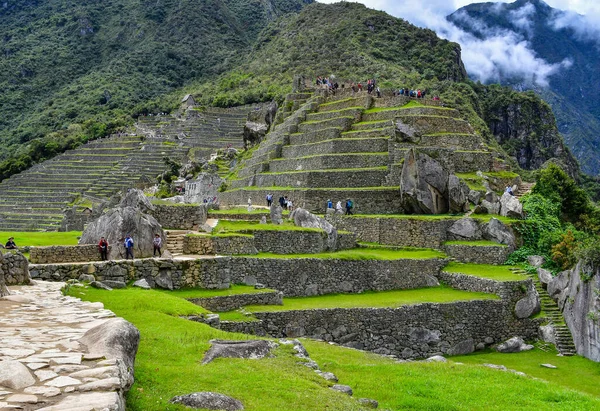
[(524, 189), (175, 241), (562, 334)]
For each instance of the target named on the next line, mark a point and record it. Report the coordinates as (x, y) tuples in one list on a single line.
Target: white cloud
[(585, 27), (501, 54)]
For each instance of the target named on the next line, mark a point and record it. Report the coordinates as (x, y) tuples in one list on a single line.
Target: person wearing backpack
[(103, 248), (128, 247), (157, 243), (269, 200), (349, 206)]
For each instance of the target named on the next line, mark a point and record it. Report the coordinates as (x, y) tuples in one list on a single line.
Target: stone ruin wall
[(14, 269), (233, 302), (180, 216), (65, 254), (478, 254)]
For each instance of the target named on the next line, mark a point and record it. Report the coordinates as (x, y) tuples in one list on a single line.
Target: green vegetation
[(476, 243), (232, 226), (450, 386), (365, 254), (493, 272), (202, 293), (381, 299), (36, 239)]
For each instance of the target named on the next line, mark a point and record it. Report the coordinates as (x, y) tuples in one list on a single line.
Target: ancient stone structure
[(14, 269), (233, 302), (180, 216), (203, 188), (65, 254)]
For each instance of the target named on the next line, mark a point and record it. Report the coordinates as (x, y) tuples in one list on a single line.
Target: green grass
[(493, 272), (242, 210), (425, 217), (329, 119), (171, 348), (479, 243), (35, 239), (576, 372), (449, 386), (365, 254), (330, 170), (230, 226), (337, 102), (381, 299), (203, 293), (488, 217)]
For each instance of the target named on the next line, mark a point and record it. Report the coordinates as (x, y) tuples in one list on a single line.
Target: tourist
[(338, 207), (269, 200), (359, 87), (282, 202), (157, 243), (349, 206), (285, 202), (378, 91), (290, 205), (103, 248), (509, 190), (329, 204), (128, 247), (249, 205), (10, 244)]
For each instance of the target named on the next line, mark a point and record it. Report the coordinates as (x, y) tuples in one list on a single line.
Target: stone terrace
[(347, 147)]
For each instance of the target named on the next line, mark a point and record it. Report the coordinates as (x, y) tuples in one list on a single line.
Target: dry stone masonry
[(65, 254)]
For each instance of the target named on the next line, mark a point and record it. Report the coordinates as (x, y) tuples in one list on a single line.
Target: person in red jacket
[(103, 248)]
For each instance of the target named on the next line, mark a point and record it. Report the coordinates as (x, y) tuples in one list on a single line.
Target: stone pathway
[(42, 365)]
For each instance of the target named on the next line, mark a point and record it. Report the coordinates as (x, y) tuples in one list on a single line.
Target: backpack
[(350, 203)]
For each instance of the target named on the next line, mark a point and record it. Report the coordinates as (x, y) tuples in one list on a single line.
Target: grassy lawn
[(171, 348), (229, 226), (372, 299), (493, 272), (576, 372), (168, 364), (201, 293), (448, 386), (476, 243), (243, 210), (424, 217), (365, 254), (37, 239)]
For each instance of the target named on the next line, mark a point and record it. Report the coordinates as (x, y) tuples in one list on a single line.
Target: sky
[(500, 53)]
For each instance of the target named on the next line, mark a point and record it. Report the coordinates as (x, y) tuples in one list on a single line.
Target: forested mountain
[(75, 70), (573, 89), (81, 67)]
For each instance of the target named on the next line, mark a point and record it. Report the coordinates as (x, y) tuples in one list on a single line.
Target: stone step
[(372, 125), (330, 161), (391, 113), (354, 112), (337, 145), (387, 131), (341, 122)]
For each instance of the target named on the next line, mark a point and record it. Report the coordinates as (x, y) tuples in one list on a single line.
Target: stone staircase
[(562, 334), (524, 189), (175, 241), (346, 147)]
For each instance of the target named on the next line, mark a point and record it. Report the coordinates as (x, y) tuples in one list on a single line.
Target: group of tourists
[(10, 244), (411, 93), (284, 202), (128, 245), (349, 204)]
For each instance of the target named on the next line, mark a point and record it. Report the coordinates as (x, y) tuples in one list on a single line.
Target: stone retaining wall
[(415, 331), (65, 254), (303, 277), (180, 216), (233, 302), (14, 269), (406, 232), (210, 245), (479, 254)]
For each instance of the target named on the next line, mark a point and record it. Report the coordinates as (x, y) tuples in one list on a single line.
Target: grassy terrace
[(492, 272), (233, 226), (37, 239), (201, 293), (381, 299), (370, 253), (330, 170), (242, 210), (168, 364), (382, 188)]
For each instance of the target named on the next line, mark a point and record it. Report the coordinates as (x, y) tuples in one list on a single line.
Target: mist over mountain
[(567, 51)]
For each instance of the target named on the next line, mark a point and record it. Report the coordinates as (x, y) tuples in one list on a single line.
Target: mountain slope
[(572, 89), (66, 62)]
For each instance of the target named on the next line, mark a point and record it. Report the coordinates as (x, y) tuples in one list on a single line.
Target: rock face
[(303, 218), (515, 344), (576, 292), (545, 277), (208, 401), (254, 133), (14, 270), (253, 349), (510, 206), (497, 231), (128, 218), (276, 214), (465, 229), (428, 188), (115, 339), (528, 305)]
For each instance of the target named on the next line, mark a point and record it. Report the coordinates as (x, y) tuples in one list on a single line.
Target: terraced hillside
[(35, 199), (347, 146)]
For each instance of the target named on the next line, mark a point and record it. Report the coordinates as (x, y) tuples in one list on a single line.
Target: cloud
[(585, 27), (494, 55)]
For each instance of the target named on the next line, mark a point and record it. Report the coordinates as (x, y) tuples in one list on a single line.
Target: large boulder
[(458, 195), (128, 218), (485, 207), (304, 218), (496, 230), (423, 184), (474, 197), (254, 133), (251, 349), (545, 277), (115, 339), (276, 214), (15, 375), (515, 344), (465, 229), (14, 270), (208, 401), (528, 305), (510, 206)]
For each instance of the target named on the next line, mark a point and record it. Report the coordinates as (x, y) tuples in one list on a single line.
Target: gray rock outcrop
[(15, 375), (426, 187), (14, 270), (129, 217), (276, 214), (344, 389), (496, 230), (515, 344), (462, 348), (528, 305), (303, 218), (510, 206), (577, 292), (115, 339), (536, 260), (254, 133), (465, 229), (208, 401), (545, 277), (252, 349)]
